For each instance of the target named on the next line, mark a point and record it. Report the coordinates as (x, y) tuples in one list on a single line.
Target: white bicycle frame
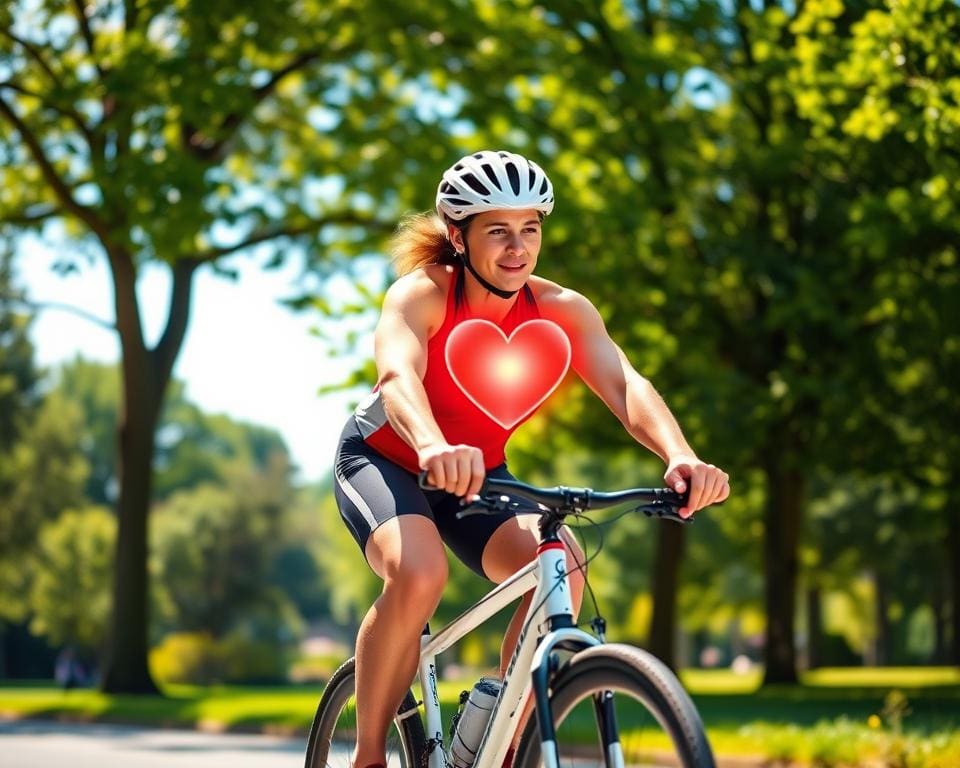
[(551, 601)]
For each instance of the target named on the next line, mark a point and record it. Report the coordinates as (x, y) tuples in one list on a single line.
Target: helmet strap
[(465, 258)]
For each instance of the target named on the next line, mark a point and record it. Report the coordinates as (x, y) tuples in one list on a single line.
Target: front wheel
[(616, 705), (334, 731)]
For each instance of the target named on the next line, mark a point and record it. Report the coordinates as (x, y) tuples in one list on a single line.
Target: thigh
[(469, 538), (371, 490), (408, 551)]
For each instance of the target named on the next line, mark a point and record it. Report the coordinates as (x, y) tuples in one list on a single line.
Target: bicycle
[(561, 666)]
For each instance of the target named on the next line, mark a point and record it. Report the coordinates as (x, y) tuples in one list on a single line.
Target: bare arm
[(411, 307), (633, 400)]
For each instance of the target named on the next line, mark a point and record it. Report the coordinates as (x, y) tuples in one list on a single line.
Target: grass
[(835, 717)]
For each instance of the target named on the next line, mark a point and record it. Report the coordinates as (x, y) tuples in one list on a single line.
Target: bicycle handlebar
[(659, 502)]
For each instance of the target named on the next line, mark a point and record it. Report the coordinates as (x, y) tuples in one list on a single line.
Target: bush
[(199, 659), (253, 661), (188, 657)]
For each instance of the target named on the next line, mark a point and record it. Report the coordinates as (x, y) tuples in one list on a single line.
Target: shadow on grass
[(931, 709)]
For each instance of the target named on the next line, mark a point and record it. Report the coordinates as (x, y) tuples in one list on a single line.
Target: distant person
[(69, 671), (473, 260)]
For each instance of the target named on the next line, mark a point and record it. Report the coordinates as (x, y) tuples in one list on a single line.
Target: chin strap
[(489, 286)]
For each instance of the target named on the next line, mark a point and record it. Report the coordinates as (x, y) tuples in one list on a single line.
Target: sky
[(244, 355)]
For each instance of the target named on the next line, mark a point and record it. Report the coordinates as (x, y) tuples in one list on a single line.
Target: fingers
[(708, 485), (456, 469), (676, 480), (697, 477), (464, 465), (479, 473)]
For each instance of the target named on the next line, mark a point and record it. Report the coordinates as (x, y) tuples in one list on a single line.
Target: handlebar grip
[(422, 481)]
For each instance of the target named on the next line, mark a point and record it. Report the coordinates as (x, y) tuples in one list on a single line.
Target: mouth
[(512, 268)]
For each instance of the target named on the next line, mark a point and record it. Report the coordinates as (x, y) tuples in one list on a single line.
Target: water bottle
[(471, 721)]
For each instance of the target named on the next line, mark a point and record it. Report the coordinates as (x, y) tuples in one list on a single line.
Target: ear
[(455, 235)]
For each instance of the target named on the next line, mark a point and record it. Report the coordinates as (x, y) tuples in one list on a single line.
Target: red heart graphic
[(507, 379)]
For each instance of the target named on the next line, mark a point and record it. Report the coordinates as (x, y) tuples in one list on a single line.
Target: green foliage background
[(761, 199)]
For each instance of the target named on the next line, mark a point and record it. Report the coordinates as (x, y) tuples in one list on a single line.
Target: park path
[(46, 744)]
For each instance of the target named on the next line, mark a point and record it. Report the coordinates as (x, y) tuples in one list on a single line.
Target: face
[(503, 246)]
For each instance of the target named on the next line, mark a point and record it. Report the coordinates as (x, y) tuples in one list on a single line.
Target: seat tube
[(557, 604)]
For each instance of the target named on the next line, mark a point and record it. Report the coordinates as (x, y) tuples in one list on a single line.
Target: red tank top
[(460, 420)]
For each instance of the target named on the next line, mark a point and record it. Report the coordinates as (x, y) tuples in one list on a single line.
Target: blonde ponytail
[(420, 239)]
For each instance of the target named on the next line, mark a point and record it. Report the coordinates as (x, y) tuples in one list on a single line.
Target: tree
[(182, 134), (769, 174), (70, 591), (216, 545)]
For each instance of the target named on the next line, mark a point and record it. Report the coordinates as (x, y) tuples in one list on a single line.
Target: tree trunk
[(146, 373), (781, 541), (125, 668), (814, 628), (663, 624), (953, 567), (881, 650), (939, 655)]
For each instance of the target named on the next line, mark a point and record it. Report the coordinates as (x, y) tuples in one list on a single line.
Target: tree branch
[(178, 317), (72, 114), (20, 89), (311, 227), (60, 188), (129, 14), (81, 10), (25, 217), (34, 54), (39, 306), (215, 150)]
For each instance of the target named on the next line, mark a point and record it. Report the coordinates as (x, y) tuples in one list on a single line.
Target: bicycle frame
[(551, 615)]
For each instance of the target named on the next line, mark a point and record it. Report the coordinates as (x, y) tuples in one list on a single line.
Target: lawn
[(836, 717)]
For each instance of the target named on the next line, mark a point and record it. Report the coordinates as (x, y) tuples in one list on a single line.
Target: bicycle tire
[(334, 727), (631, 673)]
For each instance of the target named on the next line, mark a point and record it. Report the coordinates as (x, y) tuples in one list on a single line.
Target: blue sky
[(244, 355)]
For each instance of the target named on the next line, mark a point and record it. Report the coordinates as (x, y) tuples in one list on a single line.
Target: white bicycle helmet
[(490, 181)]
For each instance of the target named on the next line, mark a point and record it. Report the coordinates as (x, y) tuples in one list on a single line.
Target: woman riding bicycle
[(473, 261)]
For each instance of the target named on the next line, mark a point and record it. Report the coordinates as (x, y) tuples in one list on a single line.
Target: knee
[(419, 580)]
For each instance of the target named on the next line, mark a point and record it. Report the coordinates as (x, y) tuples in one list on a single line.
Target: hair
[(421, 239)]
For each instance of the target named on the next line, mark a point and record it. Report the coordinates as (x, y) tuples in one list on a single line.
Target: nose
[(515, 245)]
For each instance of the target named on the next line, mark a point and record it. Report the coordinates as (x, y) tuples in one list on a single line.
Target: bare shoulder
[(426, 284), (420, 296), (565, 306)]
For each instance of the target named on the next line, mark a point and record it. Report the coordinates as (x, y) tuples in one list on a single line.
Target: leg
[(407, 553)]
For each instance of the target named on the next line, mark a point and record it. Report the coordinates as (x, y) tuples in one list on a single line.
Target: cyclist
[(475, 259)]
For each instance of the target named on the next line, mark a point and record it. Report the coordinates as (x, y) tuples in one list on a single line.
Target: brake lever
[(664, 511), (486, 504)]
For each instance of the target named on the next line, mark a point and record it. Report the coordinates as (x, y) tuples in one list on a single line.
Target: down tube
[(431, 706)]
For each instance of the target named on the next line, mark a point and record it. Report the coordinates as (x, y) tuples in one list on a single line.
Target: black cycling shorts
[(371, 489)]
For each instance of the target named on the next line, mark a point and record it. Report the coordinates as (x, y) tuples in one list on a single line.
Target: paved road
[(39, 744)]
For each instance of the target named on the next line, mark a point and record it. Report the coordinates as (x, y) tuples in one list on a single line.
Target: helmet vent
[(514, 177), (475, 184), (488, 169), (543, 186)]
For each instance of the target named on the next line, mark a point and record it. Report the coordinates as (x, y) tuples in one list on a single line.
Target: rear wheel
[(654, 717), (334, 731)]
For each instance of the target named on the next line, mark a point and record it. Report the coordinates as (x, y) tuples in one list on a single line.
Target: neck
[(484, 304)]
